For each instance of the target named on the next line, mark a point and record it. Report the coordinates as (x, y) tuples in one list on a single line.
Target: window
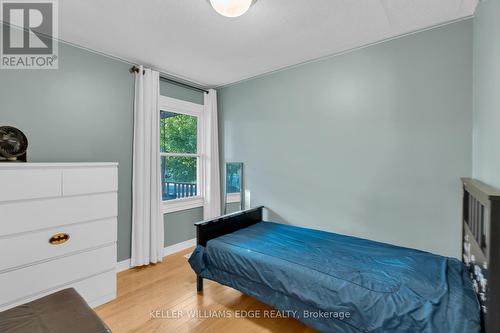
[(181, 154)]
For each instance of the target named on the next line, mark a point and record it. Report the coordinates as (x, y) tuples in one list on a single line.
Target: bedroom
[(371, 125)]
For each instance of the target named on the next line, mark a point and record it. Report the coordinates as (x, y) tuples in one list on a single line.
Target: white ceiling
[(187, 39)]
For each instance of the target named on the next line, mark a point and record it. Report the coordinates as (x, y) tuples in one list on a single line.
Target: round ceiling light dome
[(231, 8)]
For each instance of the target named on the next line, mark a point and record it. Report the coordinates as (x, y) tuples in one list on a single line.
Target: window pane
[(178, 133), (178, 177)]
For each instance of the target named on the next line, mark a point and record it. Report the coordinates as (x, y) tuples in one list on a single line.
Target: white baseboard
[(125, 264), (179, 247)]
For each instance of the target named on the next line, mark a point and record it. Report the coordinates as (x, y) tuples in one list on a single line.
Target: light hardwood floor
[(170, 289)]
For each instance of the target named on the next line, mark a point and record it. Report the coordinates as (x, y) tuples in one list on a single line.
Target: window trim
[(191, 109), (233, 197)]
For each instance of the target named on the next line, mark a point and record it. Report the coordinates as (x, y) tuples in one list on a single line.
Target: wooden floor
[(163, 298)]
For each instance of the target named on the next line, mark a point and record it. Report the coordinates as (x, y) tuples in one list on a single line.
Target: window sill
[(182, 204)]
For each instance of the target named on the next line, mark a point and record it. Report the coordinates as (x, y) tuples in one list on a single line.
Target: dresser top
[(28, 165)]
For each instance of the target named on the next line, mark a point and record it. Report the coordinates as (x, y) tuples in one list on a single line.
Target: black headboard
[(219, 226), (226, 224), (481, 247)]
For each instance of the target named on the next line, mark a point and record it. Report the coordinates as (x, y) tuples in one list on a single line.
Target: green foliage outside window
[(178, 134)]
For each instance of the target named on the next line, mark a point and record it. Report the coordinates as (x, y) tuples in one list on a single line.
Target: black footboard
[(210, 229)]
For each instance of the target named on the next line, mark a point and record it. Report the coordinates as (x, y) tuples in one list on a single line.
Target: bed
[(337, 283)]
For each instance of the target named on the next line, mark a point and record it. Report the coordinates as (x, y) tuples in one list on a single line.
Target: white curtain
[(212, 207), (147, 219)]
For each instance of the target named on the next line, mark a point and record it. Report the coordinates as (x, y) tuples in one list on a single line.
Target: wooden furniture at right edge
[(481, 247)]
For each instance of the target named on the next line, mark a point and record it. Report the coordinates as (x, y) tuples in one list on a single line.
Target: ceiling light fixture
[(231, 8)]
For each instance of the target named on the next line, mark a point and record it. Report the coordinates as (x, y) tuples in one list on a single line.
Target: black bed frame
[(210, 229), (481, 247), (480, 250)]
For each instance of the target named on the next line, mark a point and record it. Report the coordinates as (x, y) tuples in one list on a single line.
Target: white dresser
[(58, 227)]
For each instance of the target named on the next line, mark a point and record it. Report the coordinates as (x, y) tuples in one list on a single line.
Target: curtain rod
[(135, 69)]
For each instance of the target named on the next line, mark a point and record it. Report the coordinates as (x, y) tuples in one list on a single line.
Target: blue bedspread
[(338, 283)]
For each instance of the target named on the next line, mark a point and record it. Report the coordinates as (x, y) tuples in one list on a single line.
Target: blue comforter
[(338, 283)]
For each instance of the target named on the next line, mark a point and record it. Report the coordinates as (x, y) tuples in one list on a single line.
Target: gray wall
[(81, 112), (371, 143), (84, 112), (179, 225), (487, 92), (176, 91)]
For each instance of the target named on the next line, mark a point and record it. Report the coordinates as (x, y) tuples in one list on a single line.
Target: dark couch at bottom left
[(61, 312)]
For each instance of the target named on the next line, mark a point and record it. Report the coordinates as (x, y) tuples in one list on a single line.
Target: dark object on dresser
[(62, 312), (13, 144)]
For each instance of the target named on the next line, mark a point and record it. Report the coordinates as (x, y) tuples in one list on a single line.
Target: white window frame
[(169, 104), (233, 197)]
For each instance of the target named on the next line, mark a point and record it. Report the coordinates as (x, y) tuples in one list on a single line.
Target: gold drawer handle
[(59, 239)]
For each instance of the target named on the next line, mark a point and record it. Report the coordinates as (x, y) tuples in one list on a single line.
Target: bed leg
[(199, 284)]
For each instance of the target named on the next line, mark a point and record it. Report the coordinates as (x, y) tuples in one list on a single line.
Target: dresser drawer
[(93, 180), (30, 281), (96, 290), (32, 247), (30, 184), (17, 217)]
